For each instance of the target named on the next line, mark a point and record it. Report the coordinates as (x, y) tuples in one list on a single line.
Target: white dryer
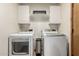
[(20, 44)]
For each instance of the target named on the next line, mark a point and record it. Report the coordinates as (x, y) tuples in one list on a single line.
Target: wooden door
[(75, 29)]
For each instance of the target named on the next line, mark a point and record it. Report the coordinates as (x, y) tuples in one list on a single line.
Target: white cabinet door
[(55, 14), (23, 14)]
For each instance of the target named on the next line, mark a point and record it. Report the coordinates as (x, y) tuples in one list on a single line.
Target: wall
[(8, 24), (66, 22)]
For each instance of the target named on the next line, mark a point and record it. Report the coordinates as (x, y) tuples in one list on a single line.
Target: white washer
[(55, 44)]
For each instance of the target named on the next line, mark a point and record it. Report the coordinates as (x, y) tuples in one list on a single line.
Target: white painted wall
[(37, 27), (66, 22), (8, 24), (66, 19)]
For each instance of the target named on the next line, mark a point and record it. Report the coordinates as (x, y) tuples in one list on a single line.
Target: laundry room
[(35, 29)]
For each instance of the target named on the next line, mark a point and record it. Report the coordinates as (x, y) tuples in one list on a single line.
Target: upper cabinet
[(55, 14), (23, 14)]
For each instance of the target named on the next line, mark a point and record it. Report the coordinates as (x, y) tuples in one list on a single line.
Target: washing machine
[(54, 44)]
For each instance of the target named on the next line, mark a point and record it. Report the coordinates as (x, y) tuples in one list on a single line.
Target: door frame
[(72, 29), (72, 5)]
